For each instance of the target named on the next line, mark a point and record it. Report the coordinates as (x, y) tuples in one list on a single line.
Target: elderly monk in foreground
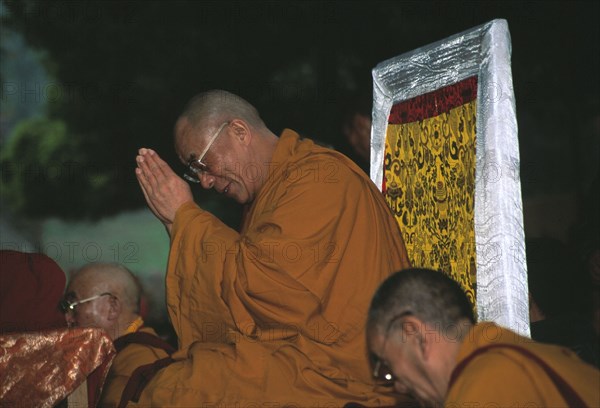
[(273, 314), (107, 296), (423, 339)]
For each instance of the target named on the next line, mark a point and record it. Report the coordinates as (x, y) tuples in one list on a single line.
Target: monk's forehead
[(79, 285), (374, 338), (87, 280), (371, 335), (188, 139)]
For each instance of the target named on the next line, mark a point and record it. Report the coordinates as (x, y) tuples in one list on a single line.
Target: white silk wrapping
[(483, 51)]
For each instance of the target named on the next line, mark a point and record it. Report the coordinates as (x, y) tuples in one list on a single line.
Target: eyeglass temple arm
[(210, 142)]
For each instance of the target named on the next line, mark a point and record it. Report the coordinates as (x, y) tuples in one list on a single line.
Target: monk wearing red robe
[(272, 315)]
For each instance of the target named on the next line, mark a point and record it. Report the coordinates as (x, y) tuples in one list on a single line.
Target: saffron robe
[(502, 377), (275, 314), (124, 364)]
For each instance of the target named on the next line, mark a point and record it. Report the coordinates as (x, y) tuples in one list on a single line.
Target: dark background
[(119, 73)]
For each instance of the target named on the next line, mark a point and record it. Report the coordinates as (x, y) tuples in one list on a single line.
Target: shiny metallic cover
[(484, 52), (40, 369)]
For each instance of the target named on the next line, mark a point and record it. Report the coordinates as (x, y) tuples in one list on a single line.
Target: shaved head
[(113, 278), (429, 295), (211, 108)]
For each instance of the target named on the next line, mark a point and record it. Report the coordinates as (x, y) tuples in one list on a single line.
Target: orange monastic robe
[(501, 377), (124, 364), (275, 315)]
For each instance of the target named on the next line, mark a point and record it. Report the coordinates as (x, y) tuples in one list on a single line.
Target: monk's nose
[(70, 318), (207, 181)]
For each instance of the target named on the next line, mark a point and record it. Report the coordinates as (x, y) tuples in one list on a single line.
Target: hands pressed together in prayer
[(164, 190)]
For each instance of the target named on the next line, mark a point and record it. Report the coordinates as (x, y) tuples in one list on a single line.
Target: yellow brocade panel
[(429, 180)]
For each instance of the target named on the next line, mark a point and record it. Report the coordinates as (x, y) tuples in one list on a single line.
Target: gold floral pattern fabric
[(429, 179)]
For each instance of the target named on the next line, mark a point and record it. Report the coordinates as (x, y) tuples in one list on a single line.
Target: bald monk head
[(406, 313), (104, 295), (225, 144)]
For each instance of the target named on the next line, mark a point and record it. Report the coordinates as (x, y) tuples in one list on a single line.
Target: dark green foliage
[(123, 70)]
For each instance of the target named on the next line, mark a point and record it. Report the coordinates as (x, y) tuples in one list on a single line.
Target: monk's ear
[(415, 334), (429, 340), (241, 131)]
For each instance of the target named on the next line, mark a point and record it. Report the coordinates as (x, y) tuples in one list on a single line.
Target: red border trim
[(434, 103)]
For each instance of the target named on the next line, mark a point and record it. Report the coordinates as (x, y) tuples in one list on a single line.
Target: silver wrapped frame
[(483, 51)]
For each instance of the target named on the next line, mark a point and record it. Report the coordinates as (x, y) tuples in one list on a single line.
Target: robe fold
[(503, 377), (274, 315), (123, 365)]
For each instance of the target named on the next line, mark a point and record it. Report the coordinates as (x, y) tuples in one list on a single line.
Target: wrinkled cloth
[(502, 377), (124, 364), (276, 314), (31, 286), (41, 369)]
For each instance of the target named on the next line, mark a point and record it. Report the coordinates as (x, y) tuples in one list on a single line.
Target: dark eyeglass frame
[(67, 306), (381, 371), (195, 167)]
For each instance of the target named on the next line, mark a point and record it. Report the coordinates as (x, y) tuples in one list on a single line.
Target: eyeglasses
[(381, 371), (196, 166), (67, 306)]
